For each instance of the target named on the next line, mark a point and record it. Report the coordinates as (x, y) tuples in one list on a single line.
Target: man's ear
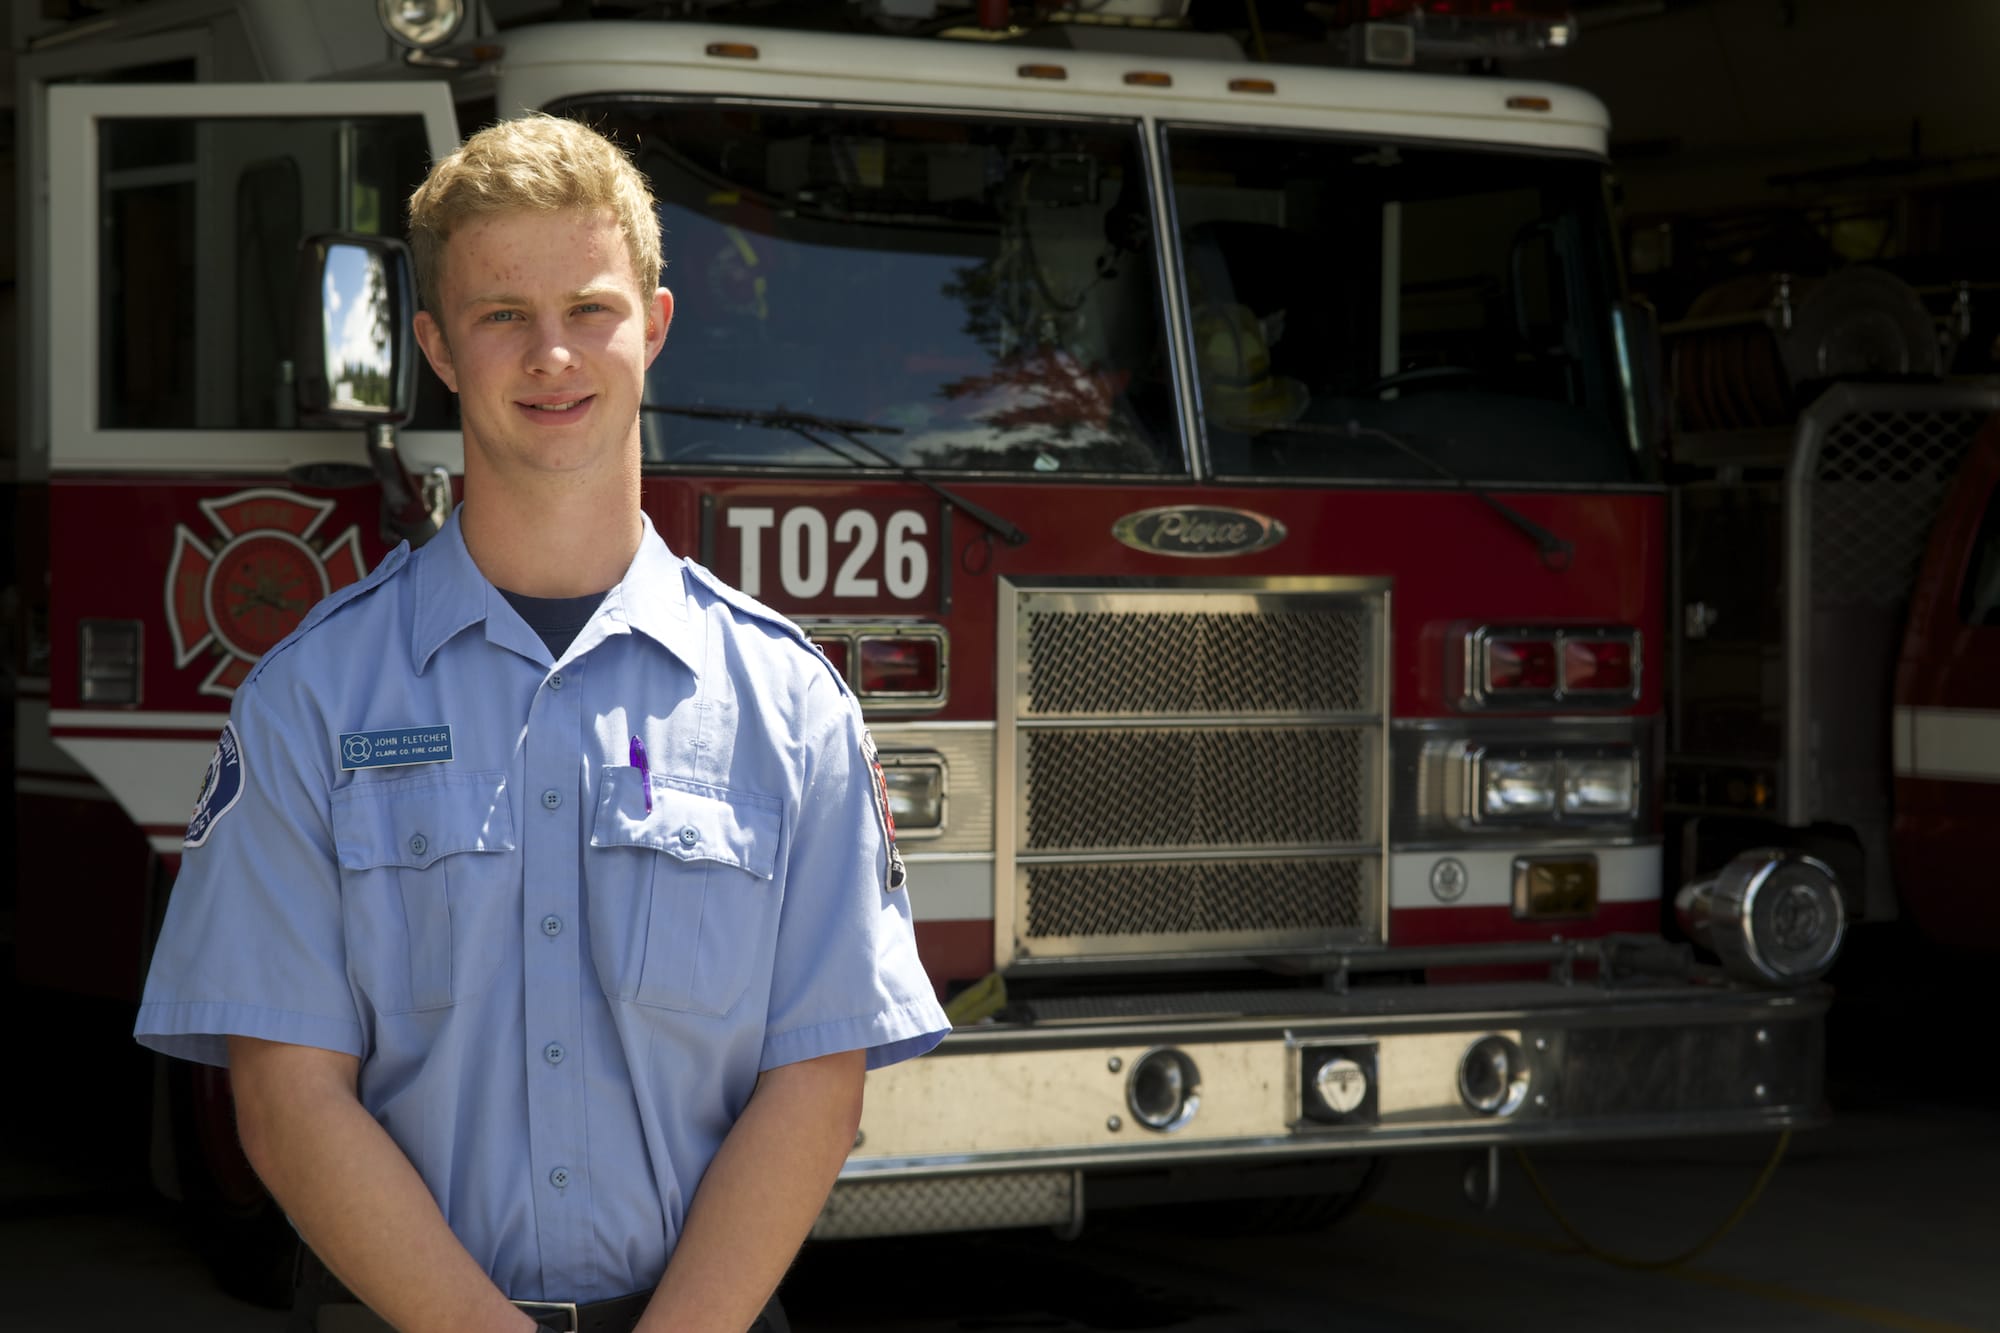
[(658, 315), (430, 336)]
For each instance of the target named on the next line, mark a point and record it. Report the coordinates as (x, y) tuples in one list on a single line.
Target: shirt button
[(689, 837), (419, 845), (553, 1053), (552, 798), (551, 926), (555, 681), (560, 1177)]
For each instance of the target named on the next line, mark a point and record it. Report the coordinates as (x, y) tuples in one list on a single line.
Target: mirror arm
[(407, 514)]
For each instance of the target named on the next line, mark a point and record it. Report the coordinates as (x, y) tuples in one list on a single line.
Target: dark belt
[(320, 1301)]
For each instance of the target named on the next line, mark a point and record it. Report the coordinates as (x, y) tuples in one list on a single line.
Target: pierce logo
[(233, 594), (1196, 530)]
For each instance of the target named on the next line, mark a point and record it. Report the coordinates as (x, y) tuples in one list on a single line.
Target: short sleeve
[(252, 944), (846, 974)]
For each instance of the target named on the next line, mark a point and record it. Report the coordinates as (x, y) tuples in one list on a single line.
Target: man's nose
[(548, 348)]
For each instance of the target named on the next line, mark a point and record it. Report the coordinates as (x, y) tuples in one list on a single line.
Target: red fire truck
[(1228, 487)]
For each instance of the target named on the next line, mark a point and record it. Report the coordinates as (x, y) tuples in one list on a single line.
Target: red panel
[(955, 951), (1411, 927)]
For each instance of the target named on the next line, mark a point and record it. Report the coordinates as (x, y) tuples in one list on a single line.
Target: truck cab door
[(1947, 716)]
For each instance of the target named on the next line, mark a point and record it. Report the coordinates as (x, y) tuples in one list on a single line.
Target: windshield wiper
[(805, 424), (1557, 552)]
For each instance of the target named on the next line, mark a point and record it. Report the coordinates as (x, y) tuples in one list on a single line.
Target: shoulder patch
[(756, 610), (895, 874), (221, 787), (333, 601)]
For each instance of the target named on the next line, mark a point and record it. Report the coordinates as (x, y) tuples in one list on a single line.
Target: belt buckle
[(553, 1307)]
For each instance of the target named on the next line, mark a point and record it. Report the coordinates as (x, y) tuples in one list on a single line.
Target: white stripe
[(1624, 875), (34, 752), (124, 721), (959, 889), (1952, 743), (156, 781)]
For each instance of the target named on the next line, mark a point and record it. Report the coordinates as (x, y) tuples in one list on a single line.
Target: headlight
[(420, 24), (1511, 787), (1599, 786), (916, 791)]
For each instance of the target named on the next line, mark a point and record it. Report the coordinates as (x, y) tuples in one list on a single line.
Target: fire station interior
[(1807, 195)]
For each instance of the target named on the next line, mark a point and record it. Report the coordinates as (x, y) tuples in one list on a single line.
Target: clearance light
[(1543, 666), (907, 666), (1529, 104), (1264, 86), (1146, 78), (835, 649), (1042, 72), (732, 50)]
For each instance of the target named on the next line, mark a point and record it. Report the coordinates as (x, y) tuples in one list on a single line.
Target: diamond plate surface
[(1197, 897), (1097, 663), (952, 1203), (1196, 787), (1876, 488)]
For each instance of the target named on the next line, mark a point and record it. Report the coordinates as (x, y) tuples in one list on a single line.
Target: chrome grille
[(1155, 898), (1876, 488), (1195, 787), (1191, 769), (1143, 664)]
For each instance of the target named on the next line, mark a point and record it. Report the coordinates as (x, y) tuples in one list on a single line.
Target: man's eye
[(501, 316), (590, 308)]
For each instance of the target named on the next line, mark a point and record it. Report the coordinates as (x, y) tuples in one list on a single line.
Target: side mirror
[(356, 353), (1641, 370)]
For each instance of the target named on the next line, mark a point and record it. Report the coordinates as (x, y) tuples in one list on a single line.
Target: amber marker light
[(1529, 104), (1147, 78), (1252, 86), (732, 50), (1042, 72)]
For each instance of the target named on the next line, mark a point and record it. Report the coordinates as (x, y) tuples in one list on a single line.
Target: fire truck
[(1230, 488), (1834, 654)]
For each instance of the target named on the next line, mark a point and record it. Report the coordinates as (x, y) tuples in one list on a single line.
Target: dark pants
[(320, 1304)]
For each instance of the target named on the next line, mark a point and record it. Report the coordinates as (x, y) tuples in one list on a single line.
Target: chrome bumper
[(1624, 1062)]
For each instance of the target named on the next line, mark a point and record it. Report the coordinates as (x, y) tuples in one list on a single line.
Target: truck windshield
[(1455, 298), (985, 290)]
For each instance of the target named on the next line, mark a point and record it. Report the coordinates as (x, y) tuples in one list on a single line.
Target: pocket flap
[(689, 821), (414, 821)]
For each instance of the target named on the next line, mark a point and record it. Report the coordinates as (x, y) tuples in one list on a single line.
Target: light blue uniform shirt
[(561, 1000)]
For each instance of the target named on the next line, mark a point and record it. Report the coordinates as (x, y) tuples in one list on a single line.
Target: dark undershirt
[(556, 619)]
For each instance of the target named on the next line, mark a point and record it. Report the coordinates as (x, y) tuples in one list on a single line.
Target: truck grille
[(1192, 769)]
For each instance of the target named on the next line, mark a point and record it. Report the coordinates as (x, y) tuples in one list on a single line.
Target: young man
[(542, 899)]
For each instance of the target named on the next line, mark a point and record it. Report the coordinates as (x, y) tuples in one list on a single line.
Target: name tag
[(398, 745)]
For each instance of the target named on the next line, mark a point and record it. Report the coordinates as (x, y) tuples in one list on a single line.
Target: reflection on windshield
[(1456, 299), (988, 289)]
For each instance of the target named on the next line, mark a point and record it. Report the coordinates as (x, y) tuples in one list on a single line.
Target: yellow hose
[(1688, 1255)]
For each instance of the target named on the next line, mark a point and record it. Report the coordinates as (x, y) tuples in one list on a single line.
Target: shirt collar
[(452, 596)]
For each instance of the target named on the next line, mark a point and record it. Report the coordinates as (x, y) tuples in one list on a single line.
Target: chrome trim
[(1046, 1094), (1471, 688), (967, 749)]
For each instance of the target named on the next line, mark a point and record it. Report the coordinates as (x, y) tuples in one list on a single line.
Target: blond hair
[(539, 163)]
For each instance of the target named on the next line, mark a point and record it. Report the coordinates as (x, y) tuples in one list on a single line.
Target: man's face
[(545, 337)]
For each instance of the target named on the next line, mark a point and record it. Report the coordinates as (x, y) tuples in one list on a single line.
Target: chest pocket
[(428, 885), (683, 904)]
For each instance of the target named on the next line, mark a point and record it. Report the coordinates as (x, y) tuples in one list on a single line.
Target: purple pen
[(645, 771)]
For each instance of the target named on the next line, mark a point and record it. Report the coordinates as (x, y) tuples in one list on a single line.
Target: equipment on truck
[(1300, 805)]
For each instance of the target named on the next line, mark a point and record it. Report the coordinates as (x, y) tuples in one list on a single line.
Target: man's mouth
[(557, 408)]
